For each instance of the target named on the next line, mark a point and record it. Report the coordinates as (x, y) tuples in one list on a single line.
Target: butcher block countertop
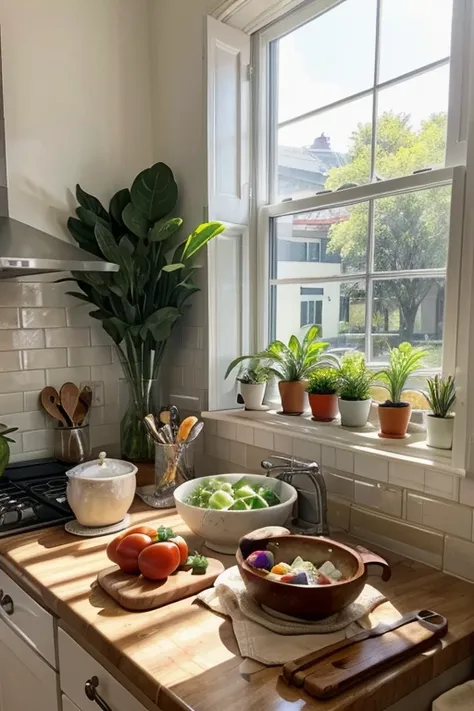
[(183, 656)]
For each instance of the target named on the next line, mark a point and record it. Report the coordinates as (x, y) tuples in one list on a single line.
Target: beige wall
[(77, 85)]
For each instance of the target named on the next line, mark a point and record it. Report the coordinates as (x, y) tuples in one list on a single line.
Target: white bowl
[(222, 530), (100, 495)]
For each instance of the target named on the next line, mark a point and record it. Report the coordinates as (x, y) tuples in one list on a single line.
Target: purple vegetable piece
[(262, 560), (301, 578)]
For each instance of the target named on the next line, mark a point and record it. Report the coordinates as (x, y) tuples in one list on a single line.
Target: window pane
[(411, 125), (312, 150), (338, 307), (408, 310), (412, 230), (332, 242), (307, 80), (422, 28)]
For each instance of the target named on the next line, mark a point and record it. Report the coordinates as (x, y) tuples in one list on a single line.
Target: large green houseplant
[(140, 305)]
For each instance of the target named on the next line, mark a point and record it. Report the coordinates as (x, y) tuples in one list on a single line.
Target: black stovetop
[(33, 495)]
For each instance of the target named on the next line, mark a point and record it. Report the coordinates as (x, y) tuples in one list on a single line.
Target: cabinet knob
[(6, 603), (91, 693)]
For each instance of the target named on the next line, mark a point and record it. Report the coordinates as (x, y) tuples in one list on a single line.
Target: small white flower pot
[(354, 413), (253, 395), (439, 432)]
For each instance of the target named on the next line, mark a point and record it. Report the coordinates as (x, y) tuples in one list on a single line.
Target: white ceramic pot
[(253, 395), (222, 530), (354, 413), (101, 492), (439, 432)]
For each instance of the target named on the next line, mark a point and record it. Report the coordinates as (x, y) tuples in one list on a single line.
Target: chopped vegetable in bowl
[(300, 572), (219, 494)]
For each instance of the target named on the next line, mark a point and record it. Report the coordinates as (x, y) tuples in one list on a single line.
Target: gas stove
[(33, 495)]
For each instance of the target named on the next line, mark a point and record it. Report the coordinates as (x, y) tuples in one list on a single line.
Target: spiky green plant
[(324, 381), (293, 362), (403, 361), (254, 374), (441, 395), (355, 379)]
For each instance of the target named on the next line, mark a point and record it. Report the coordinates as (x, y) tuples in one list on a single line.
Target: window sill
[(412, 450)]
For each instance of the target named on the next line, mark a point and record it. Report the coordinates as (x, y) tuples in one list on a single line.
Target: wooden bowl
[(306, 601)]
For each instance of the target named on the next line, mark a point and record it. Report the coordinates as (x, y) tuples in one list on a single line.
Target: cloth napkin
[(273, 639)]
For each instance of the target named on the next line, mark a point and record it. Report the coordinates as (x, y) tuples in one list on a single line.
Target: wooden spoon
[(83, 406), (50, 402), (69, 396)]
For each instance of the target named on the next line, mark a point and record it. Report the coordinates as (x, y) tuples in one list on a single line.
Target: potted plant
[(394, 414), (322, 392), (5, 446), (355, 381), (292, 364), (140, 305), (253, 382), (441, 397)]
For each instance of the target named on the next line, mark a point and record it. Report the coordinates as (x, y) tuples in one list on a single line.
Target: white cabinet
[(26, 681), (77, 669)]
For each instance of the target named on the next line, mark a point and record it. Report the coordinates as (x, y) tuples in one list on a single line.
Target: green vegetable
[(164, 534), (199, 563), (219, 494)]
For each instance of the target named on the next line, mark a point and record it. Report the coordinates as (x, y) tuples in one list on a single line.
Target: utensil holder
[(174, 464), (72, 444)]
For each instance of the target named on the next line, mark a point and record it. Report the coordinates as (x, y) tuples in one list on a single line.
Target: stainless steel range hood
[(25, 250)]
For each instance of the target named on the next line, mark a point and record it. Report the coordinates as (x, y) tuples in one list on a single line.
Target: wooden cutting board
[(338, 669), (136, 593)]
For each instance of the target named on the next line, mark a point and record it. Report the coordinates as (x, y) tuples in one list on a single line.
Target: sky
[(332, 57)]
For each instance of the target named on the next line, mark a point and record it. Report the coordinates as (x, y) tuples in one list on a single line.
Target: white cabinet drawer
[(29, 619), (76, 667)]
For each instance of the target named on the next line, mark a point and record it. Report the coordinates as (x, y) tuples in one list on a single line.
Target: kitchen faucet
[(289, 468)]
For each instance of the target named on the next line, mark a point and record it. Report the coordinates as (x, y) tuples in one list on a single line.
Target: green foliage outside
[(411, 230)]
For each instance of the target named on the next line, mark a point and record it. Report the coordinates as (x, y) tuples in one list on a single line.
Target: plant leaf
[(160, 323), (89, 202), (118, 204), (154, 192), (116, 329), (172, 267), (80, 296), (201, 236), (89, 218), (135, 221), (84, 236), (163, 230)]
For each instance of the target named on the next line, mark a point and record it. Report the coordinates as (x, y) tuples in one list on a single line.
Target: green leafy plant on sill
[(293, 362), (403, 362), (140, 305), (441, 395), (5, 445), (355, 378), (324, 382), (254, 374)]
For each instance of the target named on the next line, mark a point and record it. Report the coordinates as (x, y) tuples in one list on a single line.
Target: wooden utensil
[(138, 594), (340, 666), (50, 402), (83, 406), (69, 395)]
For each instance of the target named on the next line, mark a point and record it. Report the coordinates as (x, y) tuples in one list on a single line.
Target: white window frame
[(460, 109)]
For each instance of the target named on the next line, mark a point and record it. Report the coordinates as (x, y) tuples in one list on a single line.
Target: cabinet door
[(26, 681)]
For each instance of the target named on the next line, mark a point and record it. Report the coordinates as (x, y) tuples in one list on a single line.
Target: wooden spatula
[(69, 395), (50, 402)]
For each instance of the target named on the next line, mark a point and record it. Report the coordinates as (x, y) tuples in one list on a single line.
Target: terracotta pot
[(293, 396), (307, 601), (394, 420), (323, 407)]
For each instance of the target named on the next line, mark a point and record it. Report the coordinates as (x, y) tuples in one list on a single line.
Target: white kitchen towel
[(461, 698), (276, 640)]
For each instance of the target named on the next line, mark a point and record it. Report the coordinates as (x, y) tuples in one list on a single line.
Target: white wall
[(77, 85)]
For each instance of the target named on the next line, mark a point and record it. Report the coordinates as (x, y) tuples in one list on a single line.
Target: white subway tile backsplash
[(371, 467), (99, 337), (9, 318), (243, 434), (459, 557), (222, 448), (228, 430), (440, 484), (64, 337), (22, 381), (26, 421), (31, 401), (21, 339), (283, 444), (384, 498), (43, 318), (104, 435), (45, 358), (38, 440), (328, 456), (344, 460), (407, 475), (238, 454), (441, 515), (306, 449), (58, 376), (13, 293), (79, 315), (339, 485), (10, 360), (101, 355), (264, 439), (466, 493), (11, 402)]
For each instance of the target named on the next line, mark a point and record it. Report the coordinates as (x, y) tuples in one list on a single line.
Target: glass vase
[(138, 398)]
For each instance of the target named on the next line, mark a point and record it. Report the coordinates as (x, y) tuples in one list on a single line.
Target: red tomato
[(159, 560), (183, 548), (112, 547), (128, 550)]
